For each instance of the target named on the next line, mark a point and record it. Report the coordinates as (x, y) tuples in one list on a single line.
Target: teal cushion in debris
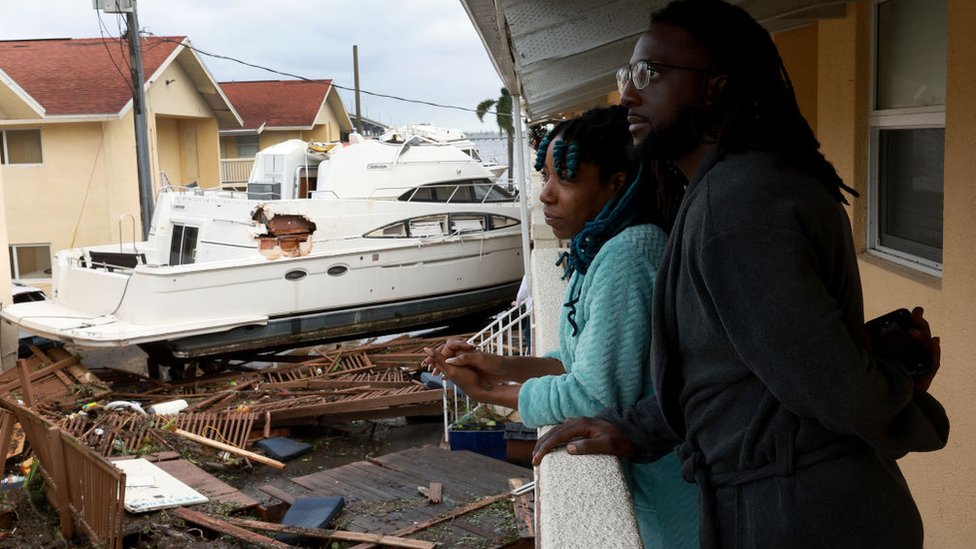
[(283, 449), (314, 512)]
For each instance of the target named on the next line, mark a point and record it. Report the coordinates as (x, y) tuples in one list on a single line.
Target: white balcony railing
[(235, 171), (507, 335)]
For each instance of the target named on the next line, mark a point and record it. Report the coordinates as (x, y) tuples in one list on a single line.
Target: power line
[(300, 77)]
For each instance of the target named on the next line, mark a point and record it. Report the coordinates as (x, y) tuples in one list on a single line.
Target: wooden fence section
[(87, 490), (124, 433)]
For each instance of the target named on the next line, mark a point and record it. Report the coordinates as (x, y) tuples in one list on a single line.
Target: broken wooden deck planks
[(459, 466), (318, 533), (218, 525), (451, 515), (369, 485), (207, 484)]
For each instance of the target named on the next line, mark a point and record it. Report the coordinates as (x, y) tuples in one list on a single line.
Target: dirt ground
[(27, 520)]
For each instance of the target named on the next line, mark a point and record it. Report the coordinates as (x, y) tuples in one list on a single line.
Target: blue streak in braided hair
[(540, 153)]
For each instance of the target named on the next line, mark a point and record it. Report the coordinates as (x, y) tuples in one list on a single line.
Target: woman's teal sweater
[(606, 367)]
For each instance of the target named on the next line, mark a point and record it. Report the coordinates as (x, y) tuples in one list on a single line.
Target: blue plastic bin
[(487, 442)]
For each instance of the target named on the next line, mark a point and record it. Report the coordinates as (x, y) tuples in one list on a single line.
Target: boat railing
[(509, 334), (200, 191), (504, 193), (113, 262)]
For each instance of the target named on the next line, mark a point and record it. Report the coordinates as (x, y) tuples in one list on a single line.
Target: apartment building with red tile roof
[(274, 111), (67, 139)]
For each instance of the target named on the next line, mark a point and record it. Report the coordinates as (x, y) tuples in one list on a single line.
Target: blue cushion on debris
[(316, 512), (283, 449)]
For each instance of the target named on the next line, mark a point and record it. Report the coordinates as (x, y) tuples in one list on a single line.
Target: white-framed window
[(30, 261), (907, 132), (21, 146)]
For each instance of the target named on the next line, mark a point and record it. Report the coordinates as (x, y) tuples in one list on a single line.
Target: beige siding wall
[(944, 482)]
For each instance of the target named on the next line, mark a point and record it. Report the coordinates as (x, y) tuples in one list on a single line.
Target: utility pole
[(128, 7), (355, 71)]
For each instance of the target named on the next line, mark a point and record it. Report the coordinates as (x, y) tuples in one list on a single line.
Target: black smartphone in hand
[(890, 339)]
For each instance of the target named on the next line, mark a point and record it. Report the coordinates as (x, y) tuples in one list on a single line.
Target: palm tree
[(503, 114)]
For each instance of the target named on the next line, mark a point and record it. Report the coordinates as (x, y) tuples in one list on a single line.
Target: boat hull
[(344, 324)]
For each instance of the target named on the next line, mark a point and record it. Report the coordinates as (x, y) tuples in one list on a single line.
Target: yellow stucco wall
[(168, 150), (173, 93), (8, 332), (208, 150), (944, 482), (798, 48), (327, 124), (273, 137), (67, 200), (228, 146)]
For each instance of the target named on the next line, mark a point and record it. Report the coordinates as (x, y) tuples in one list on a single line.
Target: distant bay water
[(492, 147)]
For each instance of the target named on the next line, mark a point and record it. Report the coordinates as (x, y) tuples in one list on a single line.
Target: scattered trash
[(12, 481), (168, 408)]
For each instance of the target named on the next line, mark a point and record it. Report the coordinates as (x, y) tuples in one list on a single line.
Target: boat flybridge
[(329, 241), (437, 134)]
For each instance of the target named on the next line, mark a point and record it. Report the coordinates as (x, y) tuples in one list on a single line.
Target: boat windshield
[(475, 191)]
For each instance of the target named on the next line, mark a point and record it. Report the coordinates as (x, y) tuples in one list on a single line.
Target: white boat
[(436, 134), (328, 242)]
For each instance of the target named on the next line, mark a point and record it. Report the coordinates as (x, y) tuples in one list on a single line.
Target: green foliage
[(505, 115), (503, 112)]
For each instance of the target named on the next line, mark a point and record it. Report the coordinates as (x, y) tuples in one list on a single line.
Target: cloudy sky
[(416, 49)]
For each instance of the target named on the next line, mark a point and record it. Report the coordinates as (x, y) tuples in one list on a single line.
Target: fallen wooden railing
[(88, 491)]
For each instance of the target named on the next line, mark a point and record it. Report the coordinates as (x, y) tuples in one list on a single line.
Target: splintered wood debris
[(111, 418), (342, 384)]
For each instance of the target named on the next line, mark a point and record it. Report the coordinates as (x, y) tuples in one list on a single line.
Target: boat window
[(183, 247), (502, 221), (395, 230), (467, 223), (436, 225), (489, 192), (432, 225), (465, 192)]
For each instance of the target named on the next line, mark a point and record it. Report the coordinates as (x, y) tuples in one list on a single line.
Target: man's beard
[(675, 139)]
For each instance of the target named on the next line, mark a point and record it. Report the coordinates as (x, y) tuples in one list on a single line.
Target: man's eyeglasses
[(643, 72)]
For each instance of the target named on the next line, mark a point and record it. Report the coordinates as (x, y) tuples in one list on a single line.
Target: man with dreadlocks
[(592, 196), (763, 383)]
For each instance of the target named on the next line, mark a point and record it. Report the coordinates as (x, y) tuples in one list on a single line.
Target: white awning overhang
[(561, 55)]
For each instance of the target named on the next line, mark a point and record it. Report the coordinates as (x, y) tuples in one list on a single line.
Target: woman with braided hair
[(594, 196)]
